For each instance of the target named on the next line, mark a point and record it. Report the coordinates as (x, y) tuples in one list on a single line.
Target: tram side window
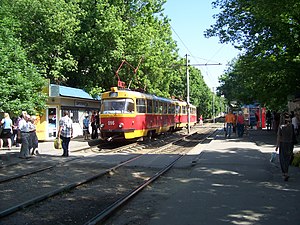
[(172, 109), (156, 107), (149, 106), (160, 108), (141, 105), (193, 111), (177, 109), (183, 109), (165, 108)]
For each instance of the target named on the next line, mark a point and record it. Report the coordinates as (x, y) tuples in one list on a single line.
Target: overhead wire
[(194, 57)]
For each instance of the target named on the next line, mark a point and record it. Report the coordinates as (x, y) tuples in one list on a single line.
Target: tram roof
[(151, 96)]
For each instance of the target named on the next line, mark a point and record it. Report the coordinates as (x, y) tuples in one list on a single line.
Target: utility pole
[(188, 87), (188, 93), (213, 104)]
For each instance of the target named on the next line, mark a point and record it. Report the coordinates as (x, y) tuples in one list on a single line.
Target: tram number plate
[(110, 123)]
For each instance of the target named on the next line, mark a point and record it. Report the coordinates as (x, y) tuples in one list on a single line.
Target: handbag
[(1, 129), (273, 157), (57, 143), (295, 141)]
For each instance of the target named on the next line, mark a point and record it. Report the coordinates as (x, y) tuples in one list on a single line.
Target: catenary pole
[(188, 88), (213, 104), (188, 93)]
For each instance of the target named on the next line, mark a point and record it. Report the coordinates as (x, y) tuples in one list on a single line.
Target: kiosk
[(79, 104)]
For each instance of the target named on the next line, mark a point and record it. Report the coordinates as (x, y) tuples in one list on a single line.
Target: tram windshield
[(117, 106)]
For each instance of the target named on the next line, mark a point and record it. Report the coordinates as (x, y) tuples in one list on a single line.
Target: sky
[(189, 20)]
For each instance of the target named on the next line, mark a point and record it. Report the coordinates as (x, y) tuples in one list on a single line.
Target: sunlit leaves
[(21, 84), (268, 33)]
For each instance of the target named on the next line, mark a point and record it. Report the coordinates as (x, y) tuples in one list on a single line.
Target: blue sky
[(189, 19)]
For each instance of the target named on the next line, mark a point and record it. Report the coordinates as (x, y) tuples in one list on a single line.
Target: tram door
[(52, 122)]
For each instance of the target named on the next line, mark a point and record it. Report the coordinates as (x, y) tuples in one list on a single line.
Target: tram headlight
[(101, 125), (121, 125)]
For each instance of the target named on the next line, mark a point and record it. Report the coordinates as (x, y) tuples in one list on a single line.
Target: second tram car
[(127, 114)]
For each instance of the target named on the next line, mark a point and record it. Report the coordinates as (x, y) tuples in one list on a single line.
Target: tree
[(21, 83), (268, 33), (48, 29), (81, 43)]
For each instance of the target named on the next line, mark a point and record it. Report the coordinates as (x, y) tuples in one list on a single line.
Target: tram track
[(82, 182), (30, 171), (104, 214), (27, 170)]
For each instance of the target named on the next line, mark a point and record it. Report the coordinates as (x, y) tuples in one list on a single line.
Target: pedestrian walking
[(229, 121), (65, 132), (240, 124), (285, 143)]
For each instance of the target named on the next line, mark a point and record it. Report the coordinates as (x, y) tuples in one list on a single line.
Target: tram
[(127, 114)]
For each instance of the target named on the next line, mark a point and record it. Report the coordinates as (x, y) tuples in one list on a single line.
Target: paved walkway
[(231, 182)]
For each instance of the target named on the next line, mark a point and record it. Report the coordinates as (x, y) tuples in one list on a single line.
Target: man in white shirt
[(65, 132)]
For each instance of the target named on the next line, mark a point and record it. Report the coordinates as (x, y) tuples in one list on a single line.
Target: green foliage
[(296, 160), (268, 33), (81, 43), (21, 83)]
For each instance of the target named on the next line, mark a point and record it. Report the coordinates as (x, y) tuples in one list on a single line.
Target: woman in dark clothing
[(285, 143), (269, 120)]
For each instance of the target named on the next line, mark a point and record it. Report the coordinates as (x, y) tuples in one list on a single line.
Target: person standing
[(240, 124), (34, 142), (65, 132), (24, 135), (276, 118), (285, 143), (257, 118), (229, 121), (94, 125), (86, 123), (97, 117), (15, 131), (295, 123), (269, 120), (201, 120), (7, 131)]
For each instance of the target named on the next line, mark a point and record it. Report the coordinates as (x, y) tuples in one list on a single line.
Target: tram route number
[(110, 122)]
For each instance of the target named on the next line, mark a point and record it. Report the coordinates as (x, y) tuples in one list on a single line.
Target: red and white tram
[(127, 114)]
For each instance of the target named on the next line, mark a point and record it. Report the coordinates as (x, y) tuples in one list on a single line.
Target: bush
[(296, 160)]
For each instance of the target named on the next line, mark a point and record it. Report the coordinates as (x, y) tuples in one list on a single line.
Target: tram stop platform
[(231, 181), (45, 148)]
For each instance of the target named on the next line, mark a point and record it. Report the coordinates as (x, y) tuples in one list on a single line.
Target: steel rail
[(73, 185), (104, 214), (9, 178), (121, 201), (68, 187)]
